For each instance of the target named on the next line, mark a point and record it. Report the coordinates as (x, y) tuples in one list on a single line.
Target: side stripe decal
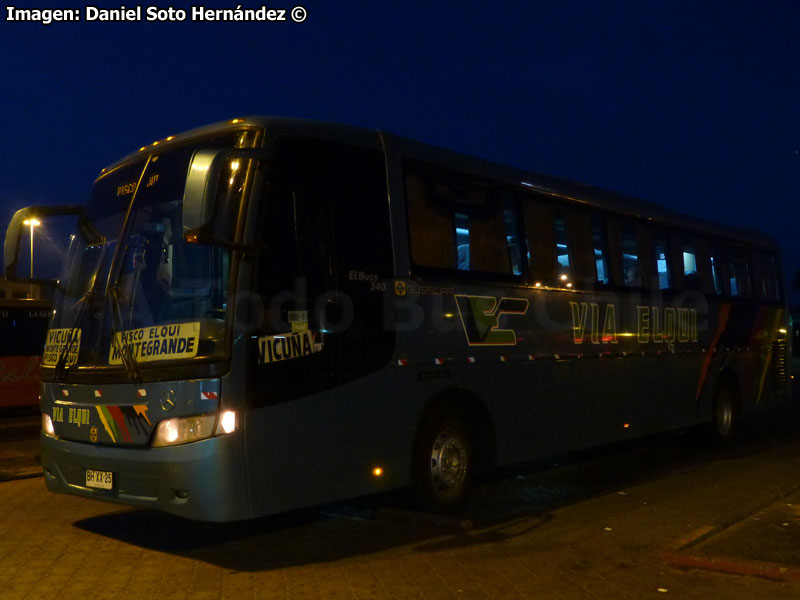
[(722, 322)]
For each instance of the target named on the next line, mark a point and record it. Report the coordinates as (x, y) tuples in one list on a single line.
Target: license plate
[(102, 480)]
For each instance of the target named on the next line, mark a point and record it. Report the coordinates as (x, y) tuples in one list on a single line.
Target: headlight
[(183, 430), (47, 425), (227, 422)]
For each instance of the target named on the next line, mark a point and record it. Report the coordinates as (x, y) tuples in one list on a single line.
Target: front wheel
[(442, 463)]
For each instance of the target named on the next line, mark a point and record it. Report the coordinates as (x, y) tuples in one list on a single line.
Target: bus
[(24, 317), (266, 314)]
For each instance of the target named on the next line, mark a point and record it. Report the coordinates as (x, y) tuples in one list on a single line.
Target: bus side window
[(600, 250), (733, 279), (775, 276), (739, 272), (662, 260), (564, 262), (689, 265), (760, 278), (767, 278), (462, 241), (629, 245), (29, 333), (488, 245), (431, 229), (746, 277), (7, 334), (584, 268), (716, 263), (460, 224), (515, 237), (675, 239), (705, 282), (647, 266), (540, 241)]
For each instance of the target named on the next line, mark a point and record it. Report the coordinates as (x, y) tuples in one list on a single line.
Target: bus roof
[(569, 190)]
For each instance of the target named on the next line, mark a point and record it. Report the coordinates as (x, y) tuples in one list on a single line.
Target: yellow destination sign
[(161, 342), (55, 343)]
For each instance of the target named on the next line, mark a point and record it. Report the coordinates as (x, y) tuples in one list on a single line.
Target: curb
[(26, 472), (682, 557), (734, 566)]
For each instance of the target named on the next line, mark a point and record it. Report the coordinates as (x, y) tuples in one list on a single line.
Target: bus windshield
[(133, 293)]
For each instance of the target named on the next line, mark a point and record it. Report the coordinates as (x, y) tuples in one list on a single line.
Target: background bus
[(23, 325), (266, 314)]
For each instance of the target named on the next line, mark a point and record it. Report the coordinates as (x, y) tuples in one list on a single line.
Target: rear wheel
[(726, 415), (442, 463)]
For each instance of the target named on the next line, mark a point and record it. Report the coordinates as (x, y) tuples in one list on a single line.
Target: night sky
[(693, 105)]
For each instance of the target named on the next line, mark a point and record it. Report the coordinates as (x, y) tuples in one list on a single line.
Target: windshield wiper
[(125, 352), (61, 367)]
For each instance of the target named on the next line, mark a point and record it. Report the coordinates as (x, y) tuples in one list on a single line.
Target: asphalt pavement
[(666, 516), (19, 444)]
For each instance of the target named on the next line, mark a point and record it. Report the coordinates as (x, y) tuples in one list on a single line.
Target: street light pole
[(31, 223)]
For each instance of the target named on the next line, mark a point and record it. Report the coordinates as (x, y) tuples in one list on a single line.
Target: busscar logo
[(480, 316)]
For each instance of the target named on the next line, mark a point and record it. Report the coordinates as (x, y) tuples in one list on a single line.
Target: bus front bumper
[(200, 480)]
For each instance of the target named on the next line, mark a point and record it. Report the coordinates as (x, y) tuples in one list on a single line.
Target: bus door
[(322, 250), (325, 258), (295, 352)]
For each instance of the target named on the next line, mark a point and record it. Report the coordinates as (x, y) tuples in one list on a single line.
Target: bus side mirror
[(50, 225), (214, 193), (199, 194)]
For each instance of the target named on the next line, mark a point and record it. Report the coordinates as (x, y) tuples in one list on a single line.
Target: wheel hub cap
[(448, 461)]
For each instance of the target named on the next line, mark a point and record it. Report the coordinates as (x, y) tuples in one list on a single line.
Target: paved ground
[(19, 445), (607, 525), (764, 543)]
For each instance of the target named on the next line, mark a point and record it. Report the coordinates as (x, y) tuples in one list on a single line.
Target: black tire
[(442, 462), (725, 418)]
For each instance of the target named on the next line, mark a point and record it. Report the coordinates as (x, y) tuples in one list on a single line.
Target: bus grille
[(780, 364)]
